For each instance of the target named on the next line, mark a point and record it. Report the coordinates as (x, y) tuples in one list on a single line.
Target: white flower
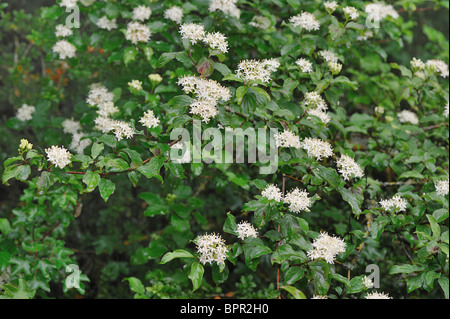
[(317, 148), (417, 64), (24, 145), (79, 143), (105, 23), (208, 93), (327, 247), (135, 84), (155, 78), (271, 192), (216, 41), (99, 95), (406, 116), (287, 139), (328, 56), (104, 124), (442, 187), (367, 35), (192, 32), (65, 49), (438, 66), (141, 13), (175, 14), (314, 101), (306, 21), (211, 248), (298, 200), (395, 204), (377, 295), (69, 4), (330, 6), (322, 115), (245, 229), (319, 297), (25, 112), (149, 119), (305, 65), (367, 282), (137, 32), (351, 12), (349, 168), (58, 156), (63, 31), (123, 130), (446, 110), (70, 126), (260, 22), (334, 67), (228, 7), (107, 108), (255, 70), (379, 11)]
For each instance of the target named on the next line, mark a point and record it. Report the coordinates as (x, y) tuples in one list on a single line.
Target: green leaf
[(166, 58), (129, 54), (5, 226), (261, 92), (443, 282), (96, 149), (106, 188), (22, 291), (297, 294), (240, 93), (435, 228), (350, 198), (91, 179), (179, 253), (230, 225), (328, 174), (152, 168), (196, 275), (135, 285), (404, 269)]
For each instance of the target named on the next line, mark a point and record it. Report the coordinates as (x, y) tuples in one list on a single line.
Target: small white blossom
[(211, 248), (304, 65), (395, 204), (79, 143), (99, 95), (228, 7), (287, 139), (58, 156), (25, 112), (417, 64), (65, 49), (271, 192), (317, 148), (314, 100), (137, 32), (123, 130), (379, 11), (260, 22), (69, 4), (105, 23), (63, 31), (319, 297), (306, 21), (322, 115), (141, 13), (335, 67), (442, 187), (135, 84), (255, 70), (446, 110), (192, 32), (367, 282), (327, 247), (438, 66), (349, 168), (70, 126), (406, 116), (245, 229), (330, 6), (351, 12), (216, 41), (298, 200), (175, 14), (378, 295), (149, 119), (107, 109)]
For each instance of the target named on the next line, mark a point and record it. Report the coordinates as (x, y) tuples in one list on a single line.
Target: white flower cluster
[(175, 14), (298, 200), (351, 12), (335, 67), (438, 66), (272, 192), (105, 23), (141, 13), (245, 229), (63, 31), (149, 119), (317, 106), (330, 6), (228, 7), (367, 282), (380, 11), (365, 36), (287, 139), (207, 92), (69, 4), (378, 295), (349, 168), (446, 110), (135, 84), (417, 64), (406, 116), (79, 143), (317, 148), (328, 56), (306, 21), (70, 126), (260, 22), (395, 204), (305, 65), (58, 156), (25, 112), (65, 49), (327, 247), (216, 41), (255, 70), (193, 32), (137, 32), (211, 248), (442, 187)]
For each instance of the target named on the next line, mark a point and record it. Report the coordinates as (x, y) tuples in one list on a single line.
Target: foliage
[(129, 217)]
